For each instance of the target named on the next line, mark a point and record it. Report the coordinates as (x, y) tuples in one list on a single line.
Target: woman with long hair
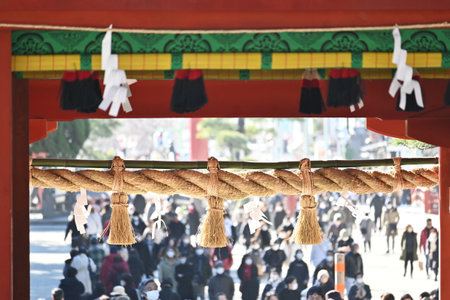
[(409, 247)]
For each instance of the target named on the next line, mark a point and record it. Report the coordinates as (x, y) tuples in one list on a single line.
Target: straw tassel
[(307, 230), (398, 178), (120, 226), (212, 233)]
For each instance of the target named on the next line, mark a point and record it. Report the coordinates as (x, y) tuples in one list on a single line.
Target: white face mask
[(183, 260), (282, 235), (278, 208), (265, 228), (186, 241), (299, 255), (170, 254), (359, 280), (199, 251), (294, 286), (248, 261), (275, 247), (122, 283), (255, 247), (274, 277), (389, 206), (152, 295), (410, 229), (329, 258), (220, 270), (345, 238)]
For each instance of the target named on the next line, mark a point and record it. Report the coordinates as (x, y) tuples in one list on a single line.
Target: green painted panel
[(82, 42)]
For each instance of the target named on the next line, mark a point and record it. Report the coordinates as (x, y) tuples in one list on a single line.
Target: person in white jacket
[(82, 262), (94, 222)]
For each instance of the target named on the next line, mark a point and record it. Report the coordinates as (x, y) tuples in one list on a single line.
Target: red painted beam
[(224, 19), (431, 131), (151, 99), (37, 130), (393, 128)]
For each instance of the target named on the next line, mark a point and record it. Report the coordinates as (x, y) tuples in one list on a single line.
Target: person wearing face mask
[(390, 221), (423, 243), (366, 226), (360, 290), (299, 269), (248, 274), (324, 281), (138, 224), (201, 272), (220, 283), (377, 203), (224, 255), (148, 289), (274, 258), (326, 264), (433, 252), (274, 285), (166, 268), (353, 266), (167, 292), (185, 247), (409, 248), (256, 255), (279, 215), (264, 236), (319, 252), (291, 291), (184, 275), (136, 266)]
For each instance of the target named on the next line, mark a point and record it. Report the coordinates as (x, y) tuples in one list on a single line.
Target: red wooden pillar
[(6, 179), (444, 191), (199, 147)]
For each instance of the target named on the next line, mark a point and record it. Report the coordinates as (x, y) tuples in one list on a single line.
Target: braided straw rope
[(233, 186)]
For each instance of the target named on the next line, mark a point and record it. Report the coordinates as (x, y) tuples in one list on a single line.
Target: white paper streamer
[(404, 73), (344, 202), (117, 86), (256, 215), (79, 211), (157, 216)]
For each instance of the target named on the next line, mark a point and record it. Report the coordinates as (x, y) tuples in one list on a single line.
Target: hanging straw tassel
[(398, 178), (307, 230), (212, 233), (120, 226)]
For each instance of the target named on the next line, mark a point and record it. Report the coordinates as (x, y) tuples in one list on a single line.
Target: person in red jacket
[(112, 268), (423, 243), (224, 255)]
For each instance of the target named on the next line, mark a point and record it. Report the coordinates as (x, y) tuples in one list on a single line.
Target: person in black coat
[(184, 275), (166, 292), (275, 284), (378, 203), (221, 283), (248, 274), (274, 258), (72, 287), (185, 247), (193, 219), (279, 215), (264, 236), (77, 238), (202, 272), (176, 228), (360, 290), (291, 291), (138, 224), (409, 247), (299, 269), (144, 244), (353, 266), (326, 264), (136, 265), (128, 284)]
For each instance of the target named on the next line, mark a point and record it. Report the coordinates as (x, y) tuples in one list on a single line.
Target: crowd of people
[(171, 266)]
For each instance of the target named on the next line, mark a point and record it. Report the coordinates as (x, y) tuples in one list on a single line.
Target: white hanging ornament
[(252, 208), (79, 211)]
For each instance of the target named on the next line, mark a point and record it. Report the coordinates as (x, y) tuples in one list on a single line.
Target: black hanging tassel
[(69, 98), (80, 90), (311, 101), (91, 94), (179, 92), (196, 92), (344, 88), (411, 103), (447, 95)]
